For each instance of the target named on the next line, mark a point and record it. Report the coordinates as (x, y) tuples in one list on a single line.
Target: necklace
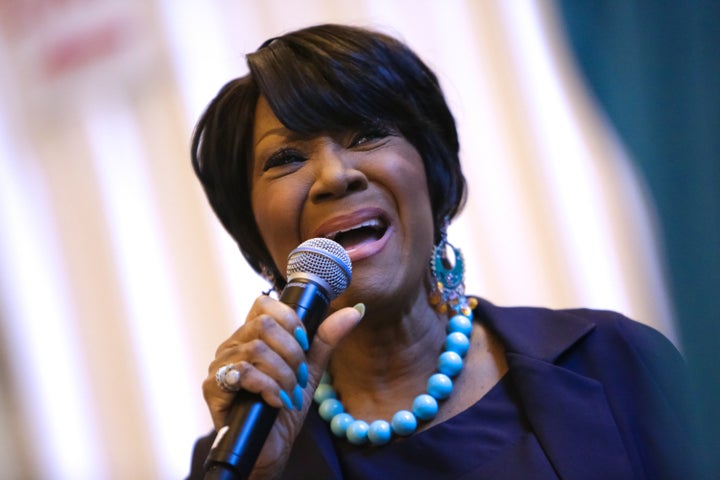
[(424, 406)]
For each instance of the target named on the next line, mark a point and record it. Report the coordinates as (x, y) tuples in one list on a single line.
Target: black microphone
[(318, 270)]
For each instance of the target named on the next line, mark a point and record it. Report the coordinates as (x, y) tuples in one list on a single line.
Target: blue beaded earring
[(447, 267)]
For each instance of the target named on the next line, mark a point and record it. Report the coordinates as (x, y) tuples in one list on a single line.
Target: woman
[(344, 133)]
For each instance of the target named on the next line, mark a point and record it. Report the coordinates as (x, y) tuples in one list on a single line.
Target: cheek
[(421, 217), (415, 196), (407, 183), (276, 213)]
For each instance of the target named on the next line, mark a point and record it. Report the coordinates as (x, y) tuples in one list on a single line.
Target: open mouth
[(357, 235)]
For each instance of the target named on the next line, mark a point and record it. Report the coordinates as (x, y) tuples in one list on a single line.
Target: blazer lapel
[(571, 419), (568, 412)]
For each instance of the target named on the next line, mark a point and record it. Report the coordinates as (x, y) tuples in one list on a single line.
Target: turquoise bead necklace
[(424, 406)]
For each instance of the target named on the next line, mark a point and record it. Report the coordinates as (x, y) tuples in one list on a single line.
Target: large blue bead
[(323, 392), (329, 408), (357, 432), (460, 323), (440, 386), (457, 342), (403, 422), (379, 432), (340, 423), (425, 407), (450, 363)]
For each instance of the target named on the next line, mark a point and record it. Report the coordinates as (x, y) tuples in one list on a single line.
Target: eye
[(369, 137), (285, 156)]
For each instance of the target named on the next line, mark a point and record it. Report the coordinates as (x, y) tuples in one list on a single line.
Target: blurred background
[(590, 139)]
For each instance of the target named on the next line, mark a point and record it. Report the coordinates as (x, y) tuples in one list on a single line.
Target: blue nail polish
[(298, 397), (302, 338), (285, 398), (303, 375)]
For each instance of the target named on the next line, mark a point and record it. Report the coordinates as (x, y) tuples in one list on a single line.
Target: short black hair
[(318, 79)]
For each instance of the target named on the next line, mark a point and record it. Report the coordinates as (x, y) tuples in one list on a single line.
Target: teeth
[(372, 223)]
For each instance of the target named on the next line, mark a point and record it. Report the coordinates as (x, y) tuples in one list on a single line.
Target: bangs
[(317, 82)]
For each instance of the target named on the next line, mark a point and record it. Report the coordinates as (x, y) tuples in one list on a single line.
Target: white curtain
[(116, 281)]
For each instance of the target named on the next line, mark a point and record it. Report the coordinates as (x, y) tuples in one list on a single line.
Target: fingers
[(266, 358)]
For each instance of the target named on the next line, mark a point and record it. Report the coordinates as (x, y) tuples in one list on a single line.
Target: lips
[(366, 231), (361, 233)]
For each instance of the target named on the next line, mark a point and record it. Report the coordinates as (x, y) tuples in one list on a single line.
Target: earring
[(447, 268)]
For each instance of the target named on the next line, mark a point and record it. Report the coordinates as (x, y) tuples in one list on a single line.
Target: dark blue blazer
[(605, 396)]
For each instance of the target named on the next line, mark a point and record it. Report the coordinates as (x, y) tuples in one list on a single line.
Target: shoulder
[(615, 324), (630, 343), (616, 329), (600, 344), (549, 334)]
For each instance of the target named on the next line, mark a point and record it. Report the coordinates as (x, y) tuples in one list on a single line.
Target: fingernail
[(360, 307), (302, 339), (298, 397), (303, 375), (285, 398)]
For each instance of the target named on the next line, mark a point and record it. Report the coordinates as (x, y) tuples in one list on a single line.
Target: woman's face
[(366, 190)]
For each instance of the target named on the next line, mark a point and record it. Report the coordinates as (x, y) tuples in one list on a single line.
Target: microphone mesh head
[(323, 258)]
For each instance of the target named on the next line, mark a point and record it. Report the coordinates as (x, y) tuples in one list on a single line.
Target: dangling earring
[(447, 267)]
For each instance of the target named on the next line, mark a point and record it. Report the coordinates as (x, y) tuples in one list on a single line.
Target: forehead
[(268, 129), (266, 123)]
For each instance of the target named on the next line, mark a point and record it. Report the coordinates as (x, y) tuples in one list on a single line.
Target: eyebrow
[(282, 131)]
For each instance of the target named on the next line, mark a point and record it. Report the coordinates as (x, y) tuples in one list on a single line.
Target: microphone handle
[(238, 443)]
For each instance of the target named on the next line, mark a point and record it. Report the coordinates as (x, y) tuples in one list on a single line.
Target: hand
[(270, 360)]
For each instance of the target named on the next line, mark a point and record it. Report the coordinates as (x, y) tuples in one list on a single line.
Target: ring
[(228, 378)]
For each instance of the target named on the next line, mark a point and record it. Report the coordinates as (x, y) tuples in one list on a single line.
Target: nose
[(336, 175)]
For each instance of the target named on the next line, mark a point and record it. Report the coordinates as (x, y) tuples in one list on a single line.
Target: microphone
[(318, 270)]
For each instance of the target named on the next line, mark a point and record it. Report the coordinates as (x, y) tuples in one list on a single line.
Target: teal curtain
[(654, 67)]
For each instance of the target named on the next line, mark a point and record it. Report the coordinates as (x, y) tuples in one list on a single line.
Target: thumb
[(329, 335)]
